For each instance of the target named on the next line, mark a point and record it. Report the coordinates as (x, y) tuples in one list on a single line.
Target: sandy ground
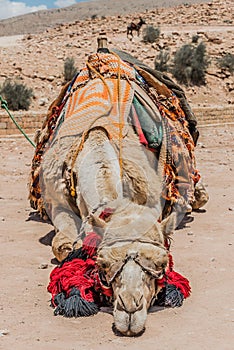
[(203, 252), (14, 40)]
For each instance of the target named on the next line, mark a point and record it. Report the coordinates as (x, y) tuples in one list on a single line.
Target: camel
[(95, 160), (135, 27), (132, 253)]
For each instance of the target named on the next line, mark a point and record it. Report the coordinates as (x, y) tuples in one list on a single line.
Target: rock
[(43, 101), (4, 332), (50, 78), (43, 266), (215, 40)]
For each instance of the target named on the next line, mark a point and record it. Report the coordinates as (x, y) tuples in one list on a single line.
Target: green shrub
[(161, 61), (17, 95), (150, 34), (190, 64), (69, 69), (227, 62), (94, 16)]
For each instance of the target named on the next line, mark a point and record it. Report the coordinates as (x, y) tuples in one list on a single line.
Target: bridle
[(135, 257)]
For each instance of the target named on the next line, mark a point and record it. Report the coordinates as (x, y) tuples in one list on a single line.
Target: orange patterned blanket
[(102, 94)]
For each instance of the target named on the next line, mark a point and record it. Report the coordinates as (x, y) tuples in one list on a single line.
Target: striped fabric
[(89, 106), (108, 100)]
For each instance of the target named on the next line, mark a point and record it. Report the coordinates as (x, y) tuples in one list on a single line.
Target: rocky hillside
[(38, 59), (37, 22)]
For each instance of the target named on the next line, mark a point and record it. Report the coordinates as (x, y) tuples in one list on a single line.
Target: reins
[(5, 106)]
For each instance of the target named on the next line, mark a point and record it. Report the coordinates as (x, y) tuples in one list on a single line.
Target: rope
[(4, 105)]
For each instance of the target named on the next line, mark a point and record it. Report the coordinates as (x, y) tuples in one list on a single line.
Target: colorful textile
[(103, 94), (92, 106), (180, 169), (152, 130)]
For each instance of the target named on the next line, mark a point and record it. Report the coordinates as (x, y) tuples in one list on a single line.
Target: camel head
[(132, 265)]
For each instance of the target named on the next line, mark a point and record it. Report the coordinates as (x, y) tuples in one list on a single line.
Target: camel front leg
[(67, 226), (65, 221)]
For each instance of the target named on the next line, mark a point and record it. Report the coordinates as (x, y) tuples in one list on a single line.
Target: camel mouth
[(129, 324), (128, 333)]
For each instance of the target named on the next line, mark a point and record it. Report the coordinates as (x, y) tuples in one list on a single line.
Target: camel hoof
[(61, 246), (201, 196), (62, 251)]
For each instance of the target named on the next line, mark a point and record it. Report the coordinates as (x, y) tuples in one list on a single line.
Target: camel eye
[(104, 265)]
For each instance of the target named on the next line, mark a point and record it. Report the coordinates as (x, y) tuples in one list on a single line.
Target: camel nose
[(130, 302)]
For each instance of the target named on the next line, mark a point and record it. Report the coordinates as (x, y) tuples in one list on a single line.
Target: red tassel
[(173, 277), (73, 274), (78, 273), (106, 213), (91, 243)]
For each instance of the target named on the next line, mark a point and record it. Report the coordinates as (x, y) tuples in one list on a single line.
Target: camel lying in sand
[(97, 159)]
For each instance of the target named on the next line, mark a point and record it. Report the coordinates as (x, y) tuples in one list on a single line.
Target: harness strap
[(135, 257)]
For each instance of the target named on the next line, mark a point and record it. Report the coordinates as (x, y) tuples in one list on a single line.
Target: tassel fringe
[(77, 290)]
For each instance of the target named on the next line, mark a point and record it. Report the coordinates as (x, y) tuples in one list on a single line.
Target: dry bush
[(17, 95), (227, 62), (190, 64), (150, 34), (70, 69), (161, 62)]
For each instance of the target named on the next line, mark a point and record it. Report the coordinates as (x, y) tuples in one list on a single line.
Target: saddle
[(156, 108)]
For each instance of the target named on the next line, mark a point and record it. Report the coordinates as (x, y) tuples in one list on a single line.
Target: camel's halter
[(134, 256)]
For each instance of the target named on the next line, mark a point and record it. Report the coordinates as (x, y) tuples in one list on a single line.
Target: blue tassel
[(74, 305)]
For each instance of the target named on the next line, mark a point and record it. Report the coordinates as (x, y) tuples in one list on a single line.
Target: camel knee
[(62, 245)]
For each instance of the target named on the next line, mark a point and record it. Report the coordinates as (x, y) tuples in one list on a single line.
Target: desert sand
[(202, 251)]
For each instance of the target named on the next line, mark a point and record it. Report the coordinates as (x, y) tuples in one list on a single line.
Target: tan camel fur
[(132, 229)]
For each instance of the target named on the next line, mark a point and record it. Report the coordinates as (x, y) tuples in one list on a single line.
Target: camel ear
[(168, 225), (97, 223)]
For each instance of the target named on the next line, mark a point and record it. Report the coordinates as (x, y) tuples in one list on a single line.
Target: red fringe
[(73, 273), (91, 243), (82, 274), (173, 277), (106, 213)]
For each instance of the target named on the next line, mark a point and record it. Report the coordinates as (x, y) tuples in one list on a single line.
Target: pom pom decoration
[(77, 289)]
